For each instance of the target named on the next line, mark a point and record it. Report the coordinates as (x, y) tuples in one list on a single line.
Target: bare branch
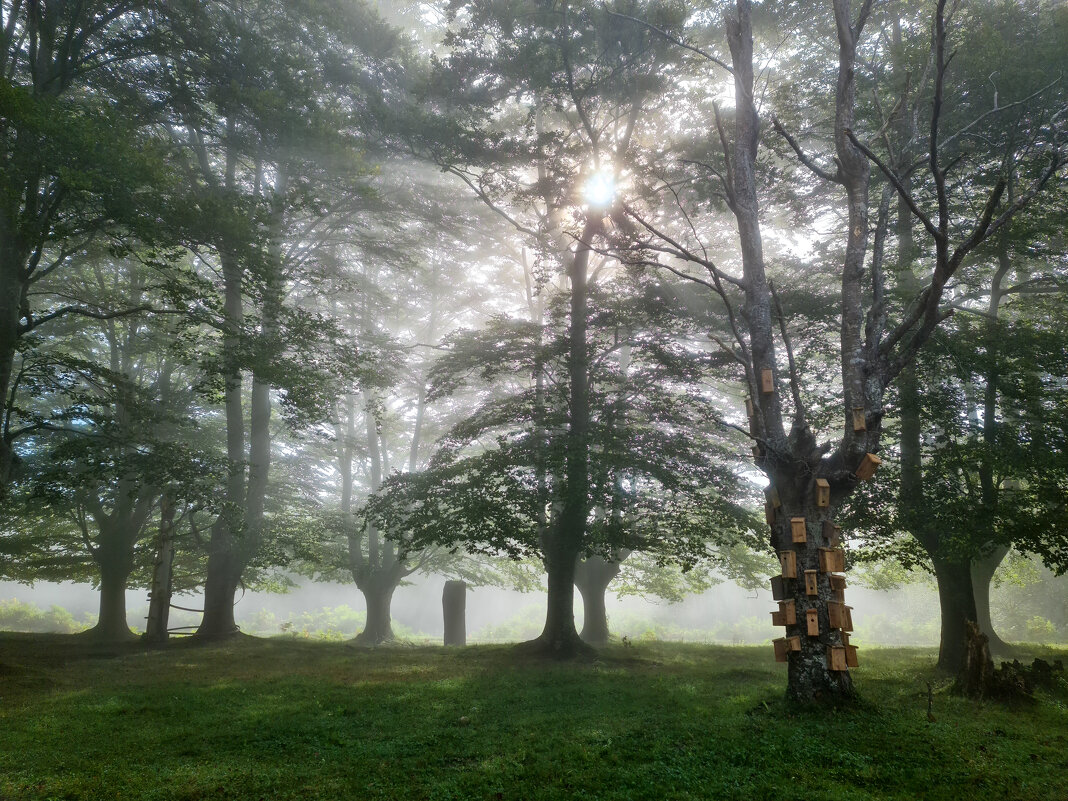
[(808, 162), (673, 39), (899, 186)]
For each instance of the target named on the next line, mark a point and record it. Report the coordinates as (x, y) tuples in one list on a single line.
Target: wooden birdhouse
[(838, 614), (767, 380), (858, 419), (832, 560), (750, 410), (772, 495), (798, 530), (832, 534), (788, 610), (788, 560), (769, 514), (823, 492), (812, 621), (868, 465), (778, 588), (812, 586), (784, 645), (838, 585), (845, 638), (851, 656), (836, 658)]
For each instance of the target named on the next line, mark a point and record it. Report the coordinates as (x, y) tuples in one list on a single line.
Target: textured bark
[(810, 679), (593, 574), (159, 606), (957, 604), (111, 625), (378, 627), (983, 570)]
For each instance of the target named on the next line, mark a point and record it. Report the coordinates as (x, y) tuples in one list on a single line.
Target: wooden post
[(454, 608)]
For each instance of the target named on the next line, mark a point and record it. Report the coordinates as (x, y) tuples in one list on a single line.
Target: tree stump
[(454, 608), (977, 676)]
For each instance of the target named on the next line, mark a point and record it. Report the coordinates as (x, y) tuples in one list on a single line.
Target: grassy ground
[(285, 719)]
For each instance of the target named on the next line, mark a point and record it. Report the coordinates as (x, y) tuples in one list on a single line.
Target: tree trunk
[(378, 627), (592, 577), (159, 606), (982, 572), (810, 677), (559, 638), (957, 602), (564, 539), (112, 626), (11, 291), (220, 592)]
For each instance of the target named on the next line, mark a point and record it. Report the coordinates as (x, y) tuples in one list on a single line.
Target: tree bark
[(159, 606), (983, 570), (957, 603), (809, 677), (112, 625), (593, 574), (378, 626)]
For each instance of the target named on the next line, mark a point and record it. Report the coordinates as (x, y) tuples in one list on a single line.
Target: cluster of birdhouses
[(806, 622), (824, 572)]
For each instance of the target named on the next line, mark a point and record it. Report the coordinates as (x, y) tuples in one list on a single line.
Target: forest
[(585, 300)]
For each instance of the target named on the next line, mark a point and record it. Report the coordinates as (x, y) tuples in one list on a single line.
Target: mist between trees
[(591, 299)]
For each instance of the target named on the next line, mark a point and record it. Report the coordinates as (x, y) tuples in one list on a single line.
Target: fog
[(725, 614)]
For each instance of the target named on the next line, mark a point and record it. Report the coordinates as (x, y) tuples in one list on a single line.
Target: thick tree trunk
[(559, 638), (982, 573), (592, 577), (220, 592), (810, 677), (111, 625), (957, 603), (378, 627)]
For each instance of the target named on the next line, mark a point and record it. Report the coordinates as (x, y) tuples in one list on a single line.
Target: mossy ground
[(287, 719)]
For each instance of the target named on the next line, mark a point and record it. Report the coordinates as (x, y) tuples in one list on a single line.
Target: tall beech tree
[(268, 101), (873, 348), (536, 101), (75, 150)]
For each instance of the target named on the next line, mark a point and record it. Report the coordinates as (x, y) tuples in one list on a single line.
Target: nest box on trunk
[(823, 492), (767, 381), (868, 465), (788, 560), (798, 530)]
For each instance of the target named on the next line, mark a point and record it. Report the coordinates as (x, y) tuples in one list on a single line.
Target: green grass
[(284, 719)]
